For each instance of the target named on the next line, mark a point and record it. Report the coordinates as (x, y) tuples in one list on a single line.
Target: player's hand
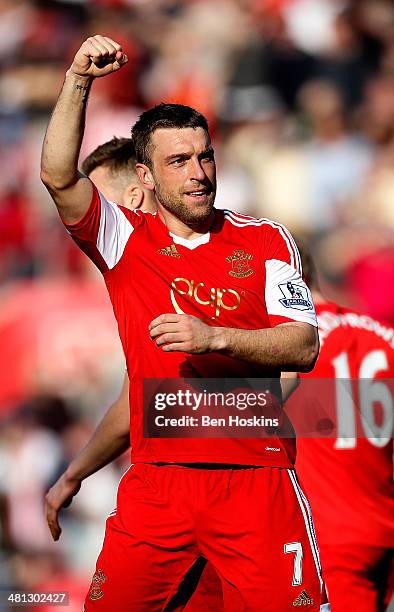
[(181, 332), (59, 496), (97, 57)]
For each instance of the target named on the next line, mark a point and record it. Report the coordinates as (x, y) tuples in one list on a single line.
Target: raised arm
[(108, 442), (71, 191)]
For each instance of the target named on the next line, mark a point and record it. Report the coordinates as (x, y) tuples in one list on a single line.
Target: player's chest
[(219, 280)]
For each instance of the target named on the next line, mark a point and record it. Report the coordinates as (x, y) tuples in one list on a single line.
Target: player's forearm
[(63, 139), (286, 347), (289, 381), (109, 441)]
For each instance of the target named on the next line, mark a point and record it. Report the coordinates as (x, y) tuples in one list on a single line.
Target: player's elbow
[(46, 177), (57, 179), (309, 355)]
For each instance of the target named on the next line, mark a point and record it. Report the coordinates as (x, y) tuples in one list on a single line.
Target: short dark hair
[(163, 115), (116, 154)]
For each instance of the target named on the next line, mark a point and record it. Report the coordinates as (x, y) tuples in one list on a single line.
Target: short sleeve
[(102, 234), (287, 297)]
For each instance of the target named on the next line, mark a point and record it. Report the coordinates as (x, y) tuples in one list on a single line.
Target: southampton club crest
[(240, 263), (295, 296), (95, 588)]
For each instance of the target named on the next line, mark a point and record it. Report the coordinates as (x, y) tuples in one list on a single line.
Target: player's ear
[(133, 197), (145, 176)]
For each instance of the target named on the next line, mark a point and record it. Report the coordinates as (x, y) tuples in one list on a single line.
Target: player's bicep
[(73, 201)]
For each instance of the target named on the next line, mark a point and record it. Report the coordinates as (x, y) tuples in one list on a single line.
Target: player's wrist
[(218, 340), (79, 79), (74, 474)]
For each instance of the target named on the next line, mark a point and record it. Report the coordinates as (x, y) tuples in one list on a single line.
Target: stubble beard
[(175, 205)]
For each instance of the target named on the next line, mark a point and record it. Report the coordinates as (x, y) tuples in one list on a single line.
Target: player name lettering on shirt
[(328, 321)]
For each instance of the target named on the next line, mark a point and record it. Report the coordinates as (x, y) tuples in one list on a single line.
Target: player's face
[(184, 172)]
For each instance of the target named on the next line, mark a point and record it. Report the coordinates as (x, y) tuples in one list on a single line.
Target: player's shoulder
[(274, 240), (257, 225), (241, 220)]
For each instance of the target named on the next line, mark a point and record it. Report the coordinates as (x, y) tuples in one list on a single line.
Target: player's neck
[(188, 231)]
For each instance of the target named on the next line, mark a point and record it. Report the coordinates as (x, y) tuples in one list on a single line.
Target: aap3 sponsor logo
[(215, 298)]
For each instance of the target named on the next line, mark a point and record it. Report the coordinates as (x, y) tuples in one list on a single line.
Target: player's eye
[(208, 156)]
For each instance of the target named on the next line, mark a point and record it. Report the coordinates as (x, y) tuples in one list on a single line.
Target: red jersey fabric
[(245, 273), (349, 480)]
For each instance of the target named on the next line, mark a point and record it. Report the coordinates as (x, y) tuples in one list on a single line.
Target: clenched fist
[(97, 57)]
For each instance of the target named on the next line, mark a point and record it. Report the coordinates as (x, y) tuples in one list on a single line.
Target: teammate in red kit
[(349, 479), (196, 292), (112, 167)]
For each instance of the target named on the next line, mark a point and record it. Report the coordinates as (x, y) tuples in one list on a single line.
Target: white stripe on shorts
[(310, 518), (308, 525)]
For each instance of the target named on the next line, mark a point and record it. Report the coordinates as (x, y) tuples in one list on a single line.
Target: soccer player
[(349, 479), (111, 166), (196, 292)]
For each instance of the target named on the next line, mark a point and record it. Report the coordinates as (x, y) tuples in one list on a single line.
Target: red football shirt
[(244, 273), (349, 480)]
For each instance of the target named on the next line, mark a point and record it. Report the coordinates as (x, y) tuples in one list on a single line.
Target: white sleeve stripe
[(295, 247), (286, 294), (236, 220), (114, 231)]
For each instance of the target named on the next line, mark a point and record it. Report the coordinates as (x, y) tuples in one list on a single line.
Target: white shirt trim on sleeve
[(114, 231), (286, 294)]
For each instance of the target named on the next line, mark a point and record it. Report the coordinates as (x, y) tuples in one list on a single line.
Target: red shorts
[(253, 525), (358, 577)]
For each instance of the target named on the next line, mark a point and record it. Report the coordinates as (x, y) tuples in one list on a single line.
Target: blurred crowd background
[(300, 99)]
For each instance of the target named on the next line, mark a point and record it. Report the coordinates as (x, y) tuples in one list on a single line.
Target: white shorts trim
[(306, 513)]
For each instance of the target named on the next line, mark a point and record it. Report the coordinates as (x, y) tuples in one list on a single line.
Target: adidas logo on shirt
[(303, 599), (170, 250)]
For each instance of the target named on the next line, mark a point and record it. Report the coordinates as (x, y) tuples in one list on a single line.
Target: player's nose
[(197, 171)]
